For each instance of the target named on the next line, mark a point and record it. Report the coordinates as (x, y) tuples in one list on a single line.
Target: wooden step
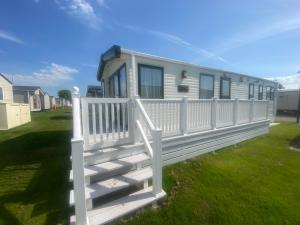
[(110, 166), (109, 154), (116, 183), (120, 207)]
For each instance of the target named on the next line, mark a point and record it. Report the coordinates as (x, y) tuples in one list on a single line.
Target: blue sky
[(57, 43)]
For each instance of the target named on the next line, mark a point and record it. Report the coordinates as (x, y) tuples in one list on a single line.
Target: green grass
[(255, 182), (34, 165)]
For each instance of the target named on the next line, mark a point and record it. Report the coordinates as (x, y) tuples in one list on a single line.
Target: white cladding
[(172, 77)]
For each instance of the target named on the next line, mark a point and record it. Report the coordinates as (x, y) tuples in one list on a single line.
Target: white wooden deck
[(118, 154)]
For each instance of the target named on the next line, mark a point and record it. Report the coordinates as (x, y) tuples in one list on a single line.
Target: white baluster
[(184, 115)]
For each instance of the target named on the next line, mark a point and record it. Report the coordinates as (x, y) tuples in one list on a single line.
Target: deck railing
[(145, 126), (181, 116), (105, 121)]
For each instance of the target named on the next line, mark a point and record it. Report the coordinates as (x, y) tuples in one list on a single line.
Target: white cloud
[(10, 37), (289, 82), (83, 10), (52, 75), (102, 3), (204, 54), (260, 31)]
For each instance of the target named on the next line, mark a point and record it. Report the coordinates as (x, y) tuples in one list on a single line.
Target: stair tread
[(121, 206), (114, 184), (113, 165), (111, 149)]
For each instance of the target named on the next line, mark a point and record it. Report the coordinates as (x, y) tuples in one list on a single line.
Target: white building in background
[(288, 100), (12, 114), (34, 95)]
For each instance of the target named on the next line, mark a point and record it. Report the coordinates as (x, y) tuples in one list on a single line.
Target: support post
[(252, 111), (76, 113), (267, 110), (183, 115), (134, 76), (157, 161), (135, 116), (236, 111), (78, 162), (214, 113)]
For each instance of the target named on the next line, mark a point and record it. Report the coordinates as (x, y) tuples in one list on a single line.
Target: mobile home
[(156, 77), (287, 100), (155, 111), (12, 114), (34, 95)]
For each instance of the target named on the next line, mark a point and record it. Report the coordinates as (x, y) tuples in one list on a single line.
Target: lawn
[(34, 170), (255, 182)]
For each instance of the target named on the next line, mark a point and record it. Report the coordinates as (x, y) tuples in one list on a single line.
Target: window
[(150, 82), (206, 86), (260, 92), (118, 83), (270, 93), (111, 86), (225, 87), (1, 94), (251, 91), (123, 82)]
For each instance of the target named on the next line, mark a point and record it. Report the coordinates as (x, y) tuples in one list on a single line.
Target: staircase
[(116, 183), (112, 181)]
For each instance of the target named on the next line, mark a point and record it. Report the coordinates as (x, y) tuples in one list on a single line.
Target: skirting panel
[(184, 147)]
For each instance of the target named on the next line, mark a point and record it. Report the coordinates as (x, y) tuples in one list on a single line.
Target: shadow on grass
[(34, 171), (64, 117), (295, 143)]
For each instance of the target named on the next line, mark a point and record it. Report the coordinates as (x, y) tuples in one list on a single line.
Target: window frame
[(126, 88), (221, 87), (268, 93), (213, 90), (260, 95), (272, 93), (140, 65), (2, 89), (111, 83), (249, 88)]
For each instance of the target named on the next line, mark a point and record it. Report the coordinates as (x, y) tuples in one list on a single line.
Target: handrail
[(146, 142), (145, 115), (156, 151)]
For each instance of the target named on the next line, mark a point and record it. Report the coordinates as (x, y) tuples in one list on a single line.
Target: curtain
[(151, 83)]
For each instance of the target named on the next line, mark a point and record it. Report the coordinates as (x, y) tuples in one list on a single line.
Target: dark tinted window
[(1, 93), (260, 92), (225, 87), (150, 82), (206, 86), (251, 91)]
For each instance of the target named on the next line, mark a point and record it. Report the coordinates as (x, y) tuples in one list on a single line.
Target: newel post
[(135, 117), (214, 113), (157, 161), (236, 111), (252, 110), (76, 113), (78, 162), (184, 115)]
